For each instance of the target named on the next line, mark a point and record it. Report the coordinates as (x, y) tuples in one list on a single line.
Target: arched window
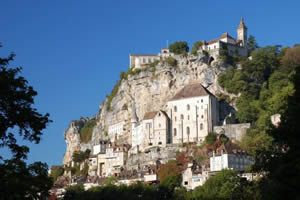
[(188, 107), (188, 117), (201, 126), (181, 117), (202, 116), (175, 108), (187, 130), (175, 131)]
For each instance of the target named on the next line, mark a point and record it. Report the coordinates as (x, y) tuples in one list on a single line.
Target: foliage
[(224, 185), (171, 61), (18, 117), (180, 47), (80, 156), (86, 131), (110, 180), (169, 173), (210, 138), (196, 47), (56, 171), (252, 44), (113, 93), (74, 191)]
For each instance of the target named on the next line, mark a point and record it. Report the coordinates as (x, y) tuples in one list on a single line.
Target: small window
[(175, 131), (201, 100), (175, 108), (181, 117), (201, 126), (175, 118), (186, 182), (188, 130), (188, 107), (150, 144), (159, 125), (159, 143), (188, 117), (202, 116)]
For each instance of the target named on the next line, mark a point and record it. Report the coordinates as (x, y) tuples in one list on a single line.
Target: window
[(159, 143), (175, 118), (188, 117), (175, 131), (159, 114), (185, 182), (201, 126), (201, 100), (188, 107), (159, 125), (181, 117), (150, 144), (175, 108), (188, 130), (202, 116)]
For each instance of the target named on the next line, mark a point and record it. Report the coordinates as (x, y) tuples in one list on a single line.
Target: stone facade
[(193, 112), (233, 131)]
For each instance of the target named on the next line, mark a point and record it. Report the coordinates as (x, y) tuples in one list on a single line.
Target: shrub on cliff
[(180, 47), (87, 130)]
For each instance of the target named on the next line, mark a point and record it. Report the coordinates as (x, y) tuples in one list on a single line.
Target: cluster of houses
[(188, 117)]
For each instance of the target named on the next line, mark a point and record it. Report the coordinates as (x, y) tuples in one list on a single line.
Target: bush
[(196, 47), (80, 156), (210, 138), (87, 130), (171, 61), (180, 47), (56, 171)]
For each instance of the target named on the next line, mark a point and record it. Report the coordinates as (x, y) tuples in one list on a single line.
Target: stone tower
[(242, 32)]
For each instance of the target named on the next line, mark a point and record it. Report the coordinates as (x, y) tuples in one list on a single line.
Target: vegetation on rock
[(86, 131), (180, 47)]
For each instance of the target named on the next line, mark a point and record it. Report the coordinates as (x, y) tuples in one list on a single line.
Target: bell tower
[(242, 32)]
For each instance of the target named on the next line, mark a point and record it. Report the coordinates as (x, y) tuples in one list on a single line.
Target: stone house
[(234, 46), (229, 156), (155, 129), (192, 178), (143, 60), (193, 112), (115, 131)]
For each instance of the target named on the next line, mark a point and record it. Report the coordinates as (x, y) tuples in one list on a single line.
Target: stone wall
[(233, 131)]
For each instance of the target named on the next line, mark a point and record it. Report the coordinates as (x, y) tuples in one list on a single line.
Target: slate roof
[(191, 90)]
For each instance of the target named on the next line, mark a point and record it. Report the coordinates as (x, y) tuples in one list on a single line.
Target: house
[(116, 130), (234, 46), (193, 178), (143, 60), (229, 156), (156, 129), (115, 158), (193, 112)]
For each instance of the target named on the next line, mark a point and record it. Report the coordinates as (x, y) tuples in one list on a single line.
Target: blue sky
[(72, 52)]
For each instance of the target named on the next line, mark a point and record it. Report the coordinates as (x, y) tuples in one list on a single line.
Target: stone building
[(156, 129), (116, 130), (193, 178), (143, 60), (193, 112), (234, 46), (229, 156), (233, 131)]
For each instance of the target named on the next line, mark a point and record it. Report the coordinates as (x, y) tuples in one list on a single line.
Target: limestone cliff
[(148, 90)]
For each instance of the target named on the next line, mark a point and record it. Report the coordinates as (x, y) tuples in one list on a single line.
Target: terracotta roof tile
[(191, 90), (150, 115)]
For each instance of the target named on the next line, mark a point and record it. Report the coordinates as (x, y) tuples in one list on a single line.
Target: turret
[(242, 33)]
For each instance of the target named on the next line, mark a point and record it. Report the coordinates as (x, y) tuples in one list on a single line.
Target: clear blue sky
[(73, 51)]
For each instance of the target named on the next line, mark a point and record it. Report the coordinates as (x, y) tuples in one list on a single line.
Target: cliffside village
[(186, 119)]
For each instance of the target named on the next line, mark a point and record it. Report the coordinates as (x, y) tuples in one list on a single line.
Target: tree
[(180, 47), (252, 44), (196, 47), (18, 117), (169, 174), (210, 138)]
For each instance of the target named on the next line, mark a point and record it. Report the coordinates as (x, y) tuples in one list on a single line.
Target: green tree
[(180, 47), (18, 117), (196, 47), (210, 138), (56, 171), (252, 44)]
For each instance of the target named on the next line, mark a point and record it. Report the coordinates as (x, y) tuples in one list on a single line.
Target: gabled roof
[(226, 35), (191, 90), (150, 115)]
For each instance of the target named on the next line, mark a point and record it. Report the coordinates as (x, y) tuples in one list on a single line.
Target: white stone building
[(193, 112), (156, 129), (115, 159), (228, 157), (142, 60), (116, 130), (191, 180), (234, 46)]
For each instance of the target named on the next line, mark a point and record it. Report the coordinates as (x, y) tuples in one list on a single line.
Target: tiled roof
[(191, 90), (150, 115)]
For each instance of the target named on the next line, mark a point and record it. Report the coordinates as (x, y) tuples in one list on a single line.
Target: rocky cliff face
[(147, 91)]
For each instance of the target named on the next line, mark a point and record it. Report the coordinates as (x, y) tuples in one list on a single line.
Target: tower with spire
[(242, 33)]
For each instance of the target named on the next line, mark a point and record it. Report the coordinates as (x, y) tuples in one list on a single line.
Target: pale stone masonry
[(193, 112), (234, 46)]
